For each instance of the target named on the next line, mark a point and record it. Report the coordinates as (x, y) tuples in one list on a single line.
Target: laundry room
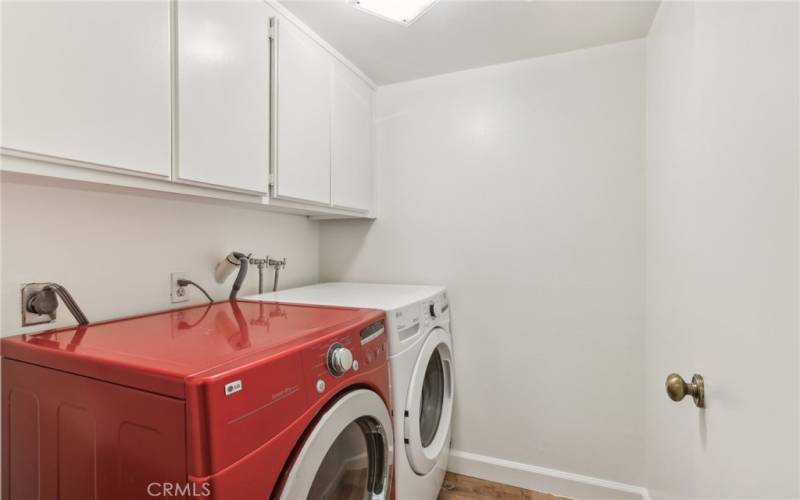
[(400, 249)]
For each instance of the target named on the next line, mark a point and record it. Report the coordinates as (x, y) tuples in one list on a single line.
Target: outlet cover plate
[(178, 294), (31, 318)]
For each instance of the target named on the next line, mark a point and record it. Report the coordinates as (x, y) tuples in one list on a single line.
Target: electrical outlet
[(29, 317), (178, 293)]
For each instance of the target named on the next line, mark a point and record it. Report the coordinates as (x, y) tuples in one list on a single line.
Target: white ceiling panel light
[(402, 12)]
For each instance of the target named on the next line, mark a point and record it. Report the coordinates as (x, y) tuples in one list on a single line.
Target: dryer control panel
[(340, 359), (333, 360)]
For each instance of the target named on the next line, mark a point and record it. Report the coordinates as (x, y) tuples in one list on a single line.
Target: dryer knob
[(340, 359)]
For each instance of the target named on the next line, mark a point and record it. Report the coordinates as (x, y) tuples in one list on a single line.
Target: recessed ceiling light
[(402, 12)]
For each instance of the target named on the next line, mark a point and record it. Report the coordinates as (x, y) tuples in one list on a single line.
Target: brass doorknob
[(677, 389)]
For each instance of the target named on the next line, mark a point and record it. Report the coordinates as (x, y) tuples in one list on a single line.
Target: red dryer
[(230, 401)]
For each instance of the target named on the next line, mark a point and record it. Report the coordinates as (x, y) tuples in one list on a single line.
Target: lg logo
[(188, 490), (233, 387)]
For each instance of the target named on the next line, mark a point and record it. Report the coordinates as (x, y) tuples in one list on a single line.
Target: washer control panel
[(436, 308)]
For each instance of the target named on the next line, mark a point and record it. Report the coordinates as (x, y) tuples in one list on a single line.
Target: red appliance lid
[(157, 352)]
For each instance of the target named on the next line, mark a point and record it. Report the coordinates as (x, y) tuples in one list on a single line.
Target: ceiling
[(461, 34)]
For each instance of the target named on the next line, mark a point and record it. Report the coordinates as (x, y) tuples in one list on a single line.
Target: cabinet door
[(88, 81), (303, 156), (223, 93), (351, 172)]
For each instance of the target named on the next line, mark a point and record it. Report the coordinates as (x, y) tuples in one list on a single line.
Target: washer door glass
[(351, 467), (429, 406), (432, 399), (347, 455)]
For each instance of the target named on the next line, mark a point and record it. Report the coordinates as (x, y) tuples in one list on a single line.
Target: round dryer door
[(429, 406), (347, 455)]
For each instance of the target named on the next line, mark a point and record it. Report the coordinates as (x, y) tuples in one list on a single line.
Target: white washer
[(421, 363)]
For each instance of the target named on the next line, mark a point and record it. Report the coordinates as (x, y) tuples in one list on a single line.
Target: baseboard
[(542, 479)]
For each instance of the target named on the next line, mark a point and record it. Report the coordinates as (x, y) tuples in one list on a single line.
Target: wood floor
[(458, 487)]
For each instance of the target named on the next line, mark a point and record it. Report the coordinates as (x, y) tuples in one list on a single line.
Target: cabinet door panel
[(351, 173), (88, 81), (303, 159), (223, 93)]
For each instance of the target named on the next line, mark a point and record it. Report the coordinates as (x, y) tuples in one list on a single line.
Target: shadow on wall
[(343, 246), (149, 237)]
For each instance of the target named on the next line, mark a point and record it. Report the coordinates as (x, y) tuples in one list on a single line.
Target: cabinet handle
[(273, 103)]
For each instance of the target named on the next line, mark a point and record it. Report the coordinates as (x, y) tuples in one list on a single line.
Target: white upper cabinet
[(303, 95), (88, 81), (223, 97), (197, 97), (351, 171)]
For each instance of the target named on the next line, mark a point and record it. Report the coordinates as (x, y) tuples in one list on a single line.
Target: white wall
[(722, 248), (114, 252), (520, 187)]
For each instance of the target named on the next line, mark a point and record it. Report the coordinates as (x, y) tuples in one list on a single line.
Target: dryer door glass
[(349, 469), (347, 455), (432, 399)]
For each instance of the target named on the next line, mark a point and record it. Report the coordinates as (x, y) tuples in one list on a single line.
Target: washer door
[(347, 455), (429, 405)]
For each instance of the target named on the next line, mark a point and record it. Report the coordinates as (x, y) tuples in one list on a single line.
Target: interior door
[(223, 93), (347, 455), (722, 249), (429, 407), (303, 124), (88, 81)]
